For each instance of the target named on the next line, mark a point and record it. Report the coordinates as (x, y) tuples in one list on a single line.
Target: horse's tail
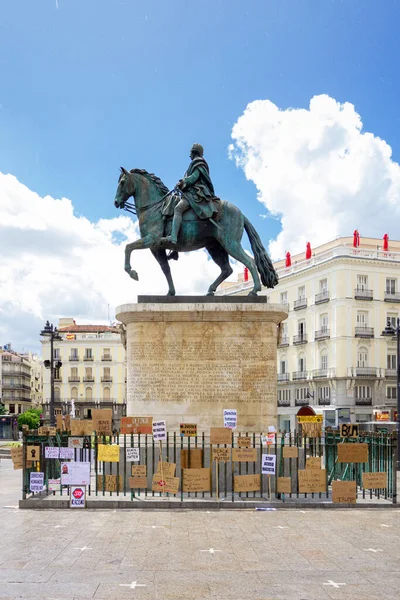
[(269, 276)]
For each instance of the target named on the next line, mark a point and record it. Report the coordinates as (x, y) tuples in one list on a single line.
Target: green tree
[(31, 418), (2, 409)]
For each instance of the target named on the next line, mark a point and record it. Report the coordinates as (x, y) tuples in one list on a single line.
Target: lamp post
[(51, 332), (391, 331)]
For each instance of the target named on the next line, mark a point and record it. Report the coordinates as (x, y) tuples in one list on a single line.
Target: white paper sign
[(67, 453), (160, 431), (268, 464), (53, 485), (268, 440), (75, 442), (51, 452), (78, 496), (75, 473), (36, 482), (132, 455), (230, 418)]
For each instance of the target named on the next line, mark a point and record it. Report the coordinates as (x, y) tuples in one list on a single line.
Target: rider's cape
[(197, 189)]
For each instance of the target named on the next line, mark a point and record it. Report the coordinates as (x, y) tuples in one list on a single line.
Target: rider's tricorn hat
[(198, 148)]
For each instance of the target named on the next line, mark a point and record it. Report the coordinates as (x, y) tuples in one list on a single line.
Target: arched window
[(74, 393), (57, 393), (106, 393), (88, 393), (362, 357)]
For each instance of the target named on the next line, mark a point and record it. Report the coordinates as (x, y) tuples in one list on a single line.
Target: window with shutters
[(391, 360), (362, 391), (324, 392), (362, 282), (284, 298), (323, 285), (362, 319), (392, 318), (302, 363), (301, 292), (391, 392), (391, 285), (362, 357), (324, 360)]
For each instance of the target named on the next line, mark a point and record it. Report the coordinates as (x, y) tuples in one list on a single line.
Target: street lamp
[(51, 332), (391, 331)]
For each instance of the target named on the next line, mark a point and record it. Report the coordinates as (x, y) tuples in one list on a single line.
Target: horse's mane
[(153, 178)]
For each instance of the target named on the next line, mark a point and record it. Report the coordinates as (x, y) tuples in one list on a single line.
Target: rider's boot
[(176, 225)]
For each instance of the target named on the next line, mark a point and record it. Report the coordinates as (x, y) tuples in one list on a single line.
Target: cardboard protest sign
[(108, 453), (75, 473), (312, 481), (268, 464), (139, 470), (196, 480), (284, 485), (349, 430), (290, 452), (192, 459), (59, 423), (67, 423), (352, 453), (167, 469), (36, 482), (220, 435), (135, 425), (132, 455), (33, 453), (374, 481), (17, 455), (344, 492), (81, 427), (312, 430), (138, 482), (244, 442), (108, 483), (75, 442), (168, 484), (221, 454), (160, 431), (52, 452), (67, 453), (43, 430), (247, 483), (313, 462), (102, 420), (126, 425), (244, 454), (188, 429), (230, 418)]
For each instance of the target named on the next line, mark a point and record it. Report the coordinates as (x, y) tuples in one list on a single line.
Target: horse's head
[(126, 188)]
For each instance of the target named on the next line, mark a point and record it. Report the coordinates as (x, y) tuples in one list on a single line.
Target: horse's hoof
[(210, 293), (171, 293), (134, 275), (252, 293)]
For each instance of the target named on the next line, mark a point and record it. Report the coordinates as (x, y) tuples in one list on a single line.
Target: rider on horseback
[(198, 194)]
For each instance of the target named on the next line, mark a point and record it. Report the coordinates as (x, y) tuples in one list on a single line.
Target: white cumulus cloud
[(318, 171)]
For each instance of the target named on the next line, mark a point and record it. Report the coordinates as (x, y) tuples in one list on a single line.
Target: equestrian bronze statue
[(188, 218)]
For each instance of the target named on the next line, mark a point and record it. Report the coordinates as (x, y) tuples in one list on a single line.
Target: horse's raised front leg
[(141, 244), (161, 257)]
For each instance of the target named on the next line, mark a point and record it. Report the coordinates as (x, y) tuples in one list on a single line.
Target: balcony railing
[(322, 297), (390, 373), (300, 303), (320, 373), (74, 358), (391, 401), (88, 357), (284, 341), (15, 386), (324, 401), (89, 379), (360, 294), (322, 334), (74, 379), (365, 371), (298, 375), (364, 332), (363, 401), (57, 378), (283, 402), (106, 357), (392, 297), (300, 339), (107, 379), (301, 402), (283, 377)]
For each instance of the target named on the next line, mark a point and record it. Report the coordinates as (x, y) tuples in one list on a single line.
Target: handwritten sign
[(36, 482), (290, 452), (166, 469), (81, 427), (33, 453), (135, 425), (313, 462), (192, 459), (244, 442), (312, 430), (139, 471), (220, 435), (59, 423), (168, 484), (221, 454), (247, 483), (160, 431), (230, 418), (188, 429), (75, 442), (352, 453), (53, 485), (52, 452), (108, 453), (268, 464), (349, 430), (244, 454), (17, 457), (312, 481), (137, 482), (67, 453), (374, 481), (284, 485), (102, 420), (110, 483), (132, 454), (268, 440), (344, 492), (196, 480)]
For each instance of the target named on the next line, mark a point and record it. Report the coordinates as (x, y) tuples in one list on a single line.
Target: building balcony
[(363, 401), (299, 375), (322, 334), (364, 332), (390, 401), (324, 401), (283, 402), (320, 373), (300, 303), (106, 357), (74, 358), (15, 386), (300, 339), (284, 341), (283, 377), (322, 297), (360, 294), (301, 402), (390, 373), (392, 297), (107, 379), (74, 379), (88, 358), (88, 379), (365, 372)]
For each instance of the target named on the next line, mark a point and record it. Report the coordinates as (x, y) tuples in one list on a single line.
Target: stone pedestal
[(189, 358)]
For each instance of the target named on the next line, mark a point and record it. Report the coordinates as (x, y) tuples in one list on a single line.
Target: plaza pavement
[(181, 555)]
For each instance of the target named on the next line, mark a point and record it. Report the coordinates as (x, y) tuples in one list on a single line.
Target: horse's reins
[(129, 207)]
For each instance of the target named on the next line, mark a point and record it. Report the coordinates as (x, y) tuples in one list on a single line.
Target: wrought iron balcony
[(320, 373), (392, 297), (74, 379), (283, 402), (283, 377), (107, 379), (364, 332), (301, 402), (300, 303), (87, 358), (300, 339), (324, 401), (360, 294), (322, 334), (106, 357), (390, 373), (322, 297), (57, 378), (363, 401), (365, 371), (89, 379), (299, 375), (284, 341), (74, 358)]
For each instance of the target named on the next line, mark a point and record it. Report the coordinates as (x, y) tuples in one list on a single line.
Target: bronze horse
[(221, 239)]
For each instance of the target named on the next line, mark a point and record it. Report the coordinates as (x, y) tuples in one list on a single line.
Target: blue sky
[(89, 85)]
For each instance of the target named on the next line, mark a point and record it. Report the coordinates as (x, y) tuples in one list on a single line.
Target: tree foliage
[(31, 418)]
